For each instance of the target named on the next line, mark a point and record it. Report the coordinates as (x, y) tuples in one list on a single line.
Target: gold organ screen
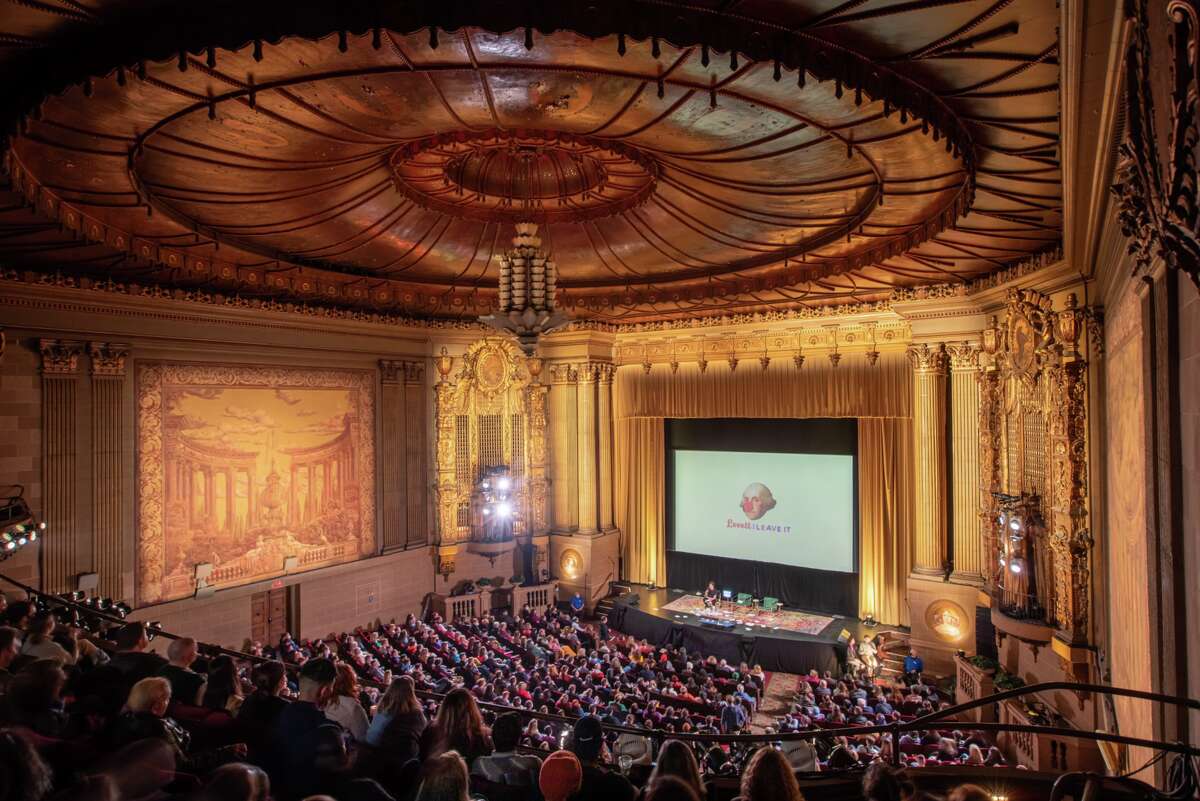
[(491, 440)]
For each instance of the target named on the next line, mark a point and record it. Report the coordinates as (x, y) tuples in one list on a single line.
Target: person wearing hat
[(560, 777), (599, 783)]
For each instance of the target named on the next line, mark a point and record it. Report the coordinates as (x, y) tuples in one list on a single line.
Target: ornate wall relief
[(491, 413), (1033, 440)]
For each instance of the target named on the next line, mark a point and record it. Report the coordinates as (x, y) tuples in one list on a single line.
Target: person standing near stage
[(710, 595)]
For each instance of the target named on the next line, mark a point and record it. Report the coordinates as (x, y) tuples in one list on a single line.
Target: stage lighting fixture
[(1003, 562), (1016, 566), (487, 510), (1015, 524), (503, 509), (503, 484)]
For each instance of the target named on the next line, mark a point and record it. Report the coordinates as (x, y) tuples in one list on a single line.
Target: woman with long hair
[(223, 692), (399, 722), (344, 707), (458, 727), (261, 710), (677, 759), (445, 779), (769, 777)]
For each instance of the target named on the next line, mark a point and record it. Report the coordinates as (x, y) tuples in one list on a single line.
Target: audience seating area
[(374, 713)]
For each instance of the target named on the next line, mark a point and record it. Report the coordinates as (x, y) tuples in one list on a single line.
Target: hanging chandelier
[(525, 305)]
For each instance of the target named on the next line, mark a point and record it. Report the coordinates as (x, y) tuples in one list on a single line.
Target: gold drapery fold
[(854, 388), (880, 396), (640, 501), (885, 517)]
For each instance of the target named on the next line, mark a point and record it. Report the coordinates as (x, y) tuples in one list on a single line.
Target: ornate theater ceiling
[(681, 160)]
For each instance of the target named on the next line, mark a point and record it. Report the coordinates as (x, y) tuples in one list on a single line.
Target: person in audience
[(599, 782), (18, 613), (295, 736), (733, 716), (24, 775), (882, 782), (458, 727), (39, 640), (145, 717), (10, 649), (260, 712), (399, 722), (187, 686), (223, 688), (561, 776), (913, 666), (34, 698), (334, 775), (237, 781), (134, 658), (505, 765), (445, 778), (768, 777), (677, 759), (969, 792), (344, 707), (670, 788)]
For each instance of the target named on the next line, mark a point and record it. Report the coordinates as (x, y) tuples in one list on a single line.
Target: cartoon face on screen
[(757, 500)]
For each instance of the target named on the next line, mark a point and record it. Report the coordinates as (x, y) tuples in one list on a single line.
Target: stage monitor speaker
[(844, 637)]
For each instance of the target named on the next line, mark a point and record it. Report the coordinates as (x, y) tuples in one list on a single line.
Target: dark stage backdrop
[(800, 588)]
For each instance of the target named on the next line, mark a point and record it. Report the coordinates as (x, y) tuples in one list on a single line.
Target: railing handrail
[(923, 723)]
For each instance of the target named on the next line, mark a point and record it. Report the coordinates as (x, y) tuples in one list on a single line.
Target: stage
[(659, 616)]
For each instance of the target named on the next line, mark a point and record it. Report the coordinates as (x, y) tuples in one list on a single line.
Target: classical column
[(394, 518), (929, 441), (967, 526), (563, 438), (586, 402), (416, 402), (60, 364), (604, 413)]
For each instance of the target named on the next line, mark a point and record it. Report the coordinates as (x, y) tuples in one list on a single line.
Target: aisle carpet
[(798, 622)]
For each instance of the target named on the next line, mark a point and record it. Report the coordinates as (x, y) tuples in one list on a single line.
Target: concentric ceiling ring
[(516, 176)]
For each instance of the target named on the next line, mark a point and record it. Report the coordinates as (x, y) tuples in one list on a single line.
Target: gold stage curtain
[(885, 516), (640, 501), (854, 388), (880, 396)]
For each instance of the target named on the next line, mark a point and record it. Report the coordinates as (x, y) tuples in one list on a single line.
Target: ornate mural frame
[(1031, 363), (494, 376), (153, 377)]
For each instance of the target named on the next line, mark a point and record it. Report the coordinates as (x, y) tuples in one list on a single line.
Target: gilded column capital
[(60, 357), (926, 359), (108, 359), (964, 356), (588, 372), (607, 371), (562, 373)]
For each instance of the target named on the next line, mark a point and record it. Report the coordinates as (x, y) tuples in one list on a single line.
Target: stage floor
[(797, 622), (656, 616)]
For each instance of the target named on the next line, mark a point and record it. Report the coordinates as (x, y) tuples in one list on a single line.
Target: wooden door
[(269, 615)]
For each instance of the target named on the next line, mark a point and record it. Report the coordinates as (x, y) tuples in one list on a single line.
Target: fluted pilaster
[(563, 447), (394, 517), (967, 525), (605, 446), (929, 440), (60, 370), (416, 454), (108, 457), (586, 403)]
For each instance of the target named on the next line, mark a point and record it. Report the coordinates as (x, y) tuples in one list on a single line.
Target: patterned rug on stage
[(799, 622)]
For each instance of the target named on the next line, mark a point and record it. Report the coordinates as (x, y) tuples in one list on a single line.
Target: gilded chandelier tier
[(525, 304)]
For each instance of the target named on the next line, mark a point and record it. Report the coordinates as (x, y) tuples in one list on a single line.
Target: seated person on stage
[(710, 595)]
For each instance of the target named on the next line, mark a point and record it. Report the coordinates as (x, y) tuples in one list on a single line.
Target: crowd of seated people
[(103, 717)]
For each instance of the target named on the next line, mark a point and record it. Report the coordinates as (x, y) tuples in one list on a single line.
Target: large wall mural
[(244, 468)]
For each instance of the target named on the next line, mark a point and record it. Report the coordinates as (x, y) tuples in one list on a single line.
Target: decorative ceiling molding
[(693, 162)]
